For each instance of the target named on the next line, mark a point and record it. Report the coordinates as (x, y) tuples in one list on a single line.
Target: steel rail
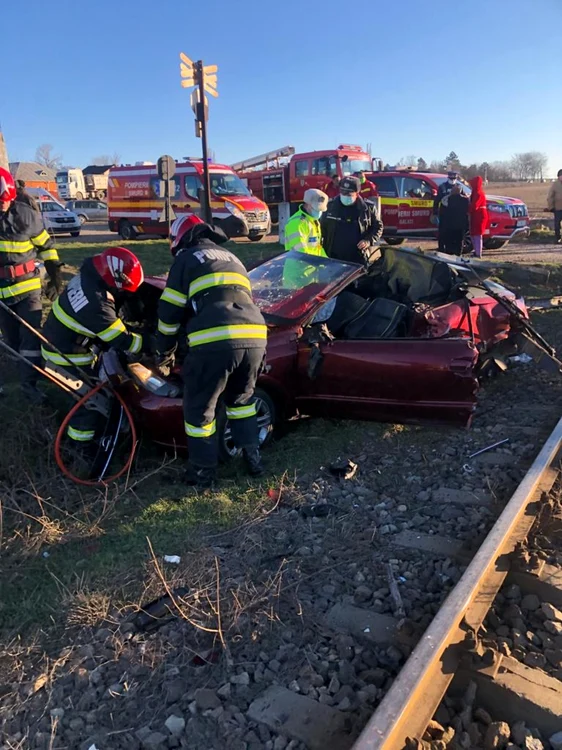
[(417, 691)]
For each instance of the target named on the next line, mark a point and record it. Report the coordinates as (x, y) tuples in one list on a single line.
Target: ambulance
[(135, 205)]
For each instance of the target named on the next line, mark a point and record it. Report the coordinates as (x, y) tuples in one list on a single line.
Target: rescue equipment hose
[(62, 430)]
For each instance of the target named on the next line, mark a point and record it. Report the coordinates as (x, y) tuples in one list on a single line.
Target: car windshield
[(467, 190), (62, 177), (227, 184), (287, 286), (47, 206), (356, 165)]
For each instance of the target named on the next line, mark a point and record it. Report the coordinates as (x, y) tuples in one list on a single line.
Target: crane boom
[(257, 161)]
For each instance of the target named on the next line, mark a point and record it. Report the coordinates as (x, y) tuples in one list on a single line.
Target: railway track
[(454, 650)]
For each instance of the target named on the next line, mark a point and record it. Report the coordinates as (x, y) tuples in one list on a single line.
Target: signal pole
[(202, 117)]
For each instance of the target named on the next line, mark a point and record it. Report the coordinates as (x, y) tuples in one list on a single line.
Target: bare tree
[(104, 159), (44, 155), (422, 164), (529, 165)]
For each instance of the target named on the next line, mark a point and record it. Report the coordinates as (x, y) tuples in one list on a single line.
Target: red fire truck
[(276, 183), (135, 205)]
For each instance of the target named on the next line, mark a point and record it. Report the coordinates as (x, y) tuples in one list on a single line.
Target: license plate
[(521, 223)]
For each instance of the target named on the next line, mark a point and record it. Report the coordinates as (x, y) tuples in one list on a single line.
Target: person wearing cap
[(367, 190), (332, 188), (302, 231), (439, 214), (350, 226)]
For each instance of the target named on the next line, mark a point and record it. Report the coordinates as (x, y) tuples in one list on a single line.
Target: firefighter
[(332, 188), (22, 196), (85, 314), (209, 288), (23, 240), (367, 190), (350, 226), (440, 208)]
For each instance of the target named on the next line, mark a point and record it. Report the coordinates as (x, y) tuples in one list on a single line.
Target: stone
[(155, 741), (57, 713), (532, 743), (530, 602), (551, 612), (518, 732), (554, 657), (362, 593), (533, 659), (553, 627), (274, 665), (556, 741), (175, 725), (280, 743), (240, 679), (513, 592), (224, 691), (205, 698), (142, 733), (497, 735), (481, 715), (175, 689)]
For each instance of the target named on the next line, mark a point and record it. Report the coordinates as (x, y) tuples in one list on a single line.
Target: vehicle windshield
[(227, 183), (356, 165), (467, 190), (47, 206), (62, 177), (287, 286)]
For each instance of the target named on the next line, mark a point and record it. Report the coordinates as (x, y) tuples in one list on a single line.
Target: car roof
[(408, 173)]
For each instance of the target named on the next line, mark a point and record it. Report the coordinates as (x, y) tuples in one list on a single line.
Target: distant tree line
[(530, 165), (45, 155)]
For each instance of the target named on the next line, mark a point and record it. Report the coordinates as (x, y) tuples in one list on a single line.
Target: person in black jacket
[(208, 288), (22, 196), (440, 206), (350, 226), (453, 224), (85, 314), (23, 241)]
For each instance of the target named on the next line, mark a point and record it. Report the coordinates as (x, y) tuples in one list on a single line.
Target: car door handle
[(403, 205)]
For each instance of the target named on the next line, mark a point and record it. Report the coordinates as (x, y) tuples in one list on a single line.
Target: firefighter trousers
[(19, 337), (82, 426), (231, 373)]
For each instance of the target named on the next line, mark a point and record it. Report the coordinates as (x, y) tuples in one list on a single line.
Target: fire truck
[(282, 176), (135, 205)]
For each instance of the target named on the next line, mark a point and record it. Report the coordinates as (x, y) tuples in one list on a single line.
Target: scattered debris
[(399, 611), (318, 510), (344, 468), (489, 447), (174, 559), (159, 611), (521, 359)]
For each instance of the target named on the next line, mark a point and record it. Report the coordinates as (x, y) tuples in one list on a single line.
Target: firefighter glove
[(54, 285), (163, 362)]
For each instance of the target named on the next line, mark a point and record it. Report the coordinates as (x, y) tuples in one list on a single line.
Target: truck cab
[(70, 184)]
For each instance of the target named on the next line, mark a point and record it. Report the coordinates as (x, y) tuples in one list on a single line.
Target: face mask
[(347, 200), (451, 181), (316, 213)]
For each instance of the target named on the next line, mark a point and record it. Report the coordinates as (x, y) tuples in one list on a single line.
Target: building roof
[(97, 169), (31, 171)]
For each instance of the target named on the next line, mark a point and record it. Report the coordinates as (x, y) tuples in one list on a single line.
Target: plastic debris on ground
[(175, 559), (344, 468), (159, 611), (520, 359)]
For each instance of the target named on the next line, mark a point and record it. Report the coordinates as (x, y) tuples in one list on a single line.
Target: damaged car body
[(405, 339)]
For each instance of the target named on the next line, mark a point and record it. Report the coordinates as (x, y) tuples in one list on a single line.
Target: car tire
[(75, 234), (82, 218), (256, 238), (79, 196), (267, 418), (493, 244), (394, 240), (127, 231)]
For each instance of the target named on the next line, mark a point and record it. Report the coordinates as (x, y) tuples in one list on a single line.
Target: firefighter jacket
[(83, 314), (368, 190), (303, 233), (209, 288), (23, 238)]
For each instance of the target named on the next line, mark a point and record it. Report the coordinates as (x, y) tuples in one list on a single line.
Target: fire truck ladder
[(263, 159)]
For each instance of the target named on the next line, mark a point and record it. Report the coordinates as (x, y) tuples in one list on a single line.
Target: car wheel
[(75, 234), (79, 196), (83, 219), (256, 238), (394, 240), (267, 417), (493, 244), (126, 230)]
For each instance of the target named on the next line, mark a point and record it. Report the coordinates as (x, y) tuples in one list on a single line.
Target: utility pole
[(204, 78)]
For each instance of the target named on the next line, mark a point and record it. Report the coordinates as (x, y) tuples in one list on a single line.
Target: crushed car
[(405, 339)]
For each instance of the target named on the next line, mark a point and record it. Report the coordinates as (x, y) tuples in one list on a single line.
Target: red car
[(407, 206), (402, 341)]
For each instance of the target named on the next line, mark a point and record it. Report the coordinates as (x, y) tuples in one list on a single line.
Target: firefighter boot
[(201, 477), (252, 459)]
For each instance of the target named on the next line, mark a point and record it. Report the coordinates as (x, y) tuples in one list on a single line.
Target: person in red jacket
[(332, 188), (478, 214), (368, 189)]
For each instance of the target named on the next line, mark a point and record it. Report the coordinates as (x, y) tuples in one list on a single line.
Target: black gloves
[(54, 284), (163, 362)]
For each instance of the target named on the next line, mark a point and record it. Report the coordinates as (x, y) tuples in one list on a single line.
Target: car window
[(326, 165), (301, 168), (79, 204), (102, 206), (192, 186), (415, 187), (155, 185), (386, 186)]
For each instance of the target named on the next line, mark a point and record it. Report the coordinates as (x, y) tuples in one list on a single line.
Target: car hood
[(504, 200), (60, 215), (244, 202)]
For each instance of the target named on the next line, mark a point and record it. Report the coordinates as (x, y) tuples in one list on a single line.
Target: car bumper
[(60, 229), (517, 232), (255, 229)]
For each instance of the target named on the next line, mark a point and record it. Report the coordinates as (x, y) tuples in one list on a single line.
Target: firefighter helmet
[(7, 186), (181, 227), (119, 268)]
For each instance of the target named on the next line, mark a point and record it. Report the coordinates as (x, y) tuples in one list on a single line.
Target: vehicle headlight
[(496, 208), (151, 382), (234, 210)]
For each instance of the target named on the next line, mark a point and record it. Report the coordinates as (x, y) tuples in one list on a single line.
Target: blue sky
[(481, 77)]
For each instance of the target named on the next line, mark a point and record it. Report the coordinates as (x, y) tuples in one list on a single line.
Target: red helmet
[(181, 227), (119, 268), (7, 186)]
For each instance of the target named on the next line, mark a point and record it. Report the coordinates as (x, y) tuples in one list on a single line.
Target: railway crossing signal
[(204, 77)]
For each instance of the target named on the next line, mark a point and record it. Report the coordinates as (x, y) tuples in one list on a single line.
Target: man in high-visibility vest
[(302, 231), (209, 290), (23, 241)]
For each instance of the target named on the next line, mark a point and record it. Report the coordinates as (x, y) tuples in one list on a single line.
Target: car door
[(299, 180), (415, 206), (101, 211), (404, 380), (388, 192)]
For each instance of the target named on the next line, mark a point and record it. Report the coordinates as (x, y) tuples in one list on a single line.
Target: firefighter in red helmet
[(23, 240), (85, 314), (208, 288)]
